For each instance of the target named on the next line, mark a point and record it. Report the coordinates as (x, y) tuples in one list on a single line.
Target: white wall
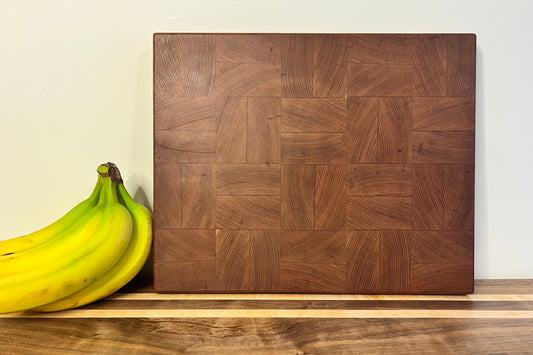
[(75, 91)]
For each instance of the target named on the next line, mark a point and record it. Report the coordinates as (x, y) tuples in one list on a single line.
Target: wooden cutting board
[(314, 163)]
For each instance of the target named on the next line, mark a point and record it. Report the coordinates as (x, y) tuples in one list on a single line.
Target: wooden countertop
[(497, 318)]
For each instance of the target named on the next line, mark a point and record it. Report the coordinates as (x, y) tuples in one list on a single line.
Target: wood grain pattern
[(433, 247), (362, 261), (198, 196), (173, 146), (334, 306), (461, 65), (315, 247), (428, 205), (362, 130), (248, 212), (380, 49), (312, 278), (378, 212), (297, 197), (315, 163), (380, 260), (443, 146), (248, 179), (231, 130), (313, 115), (167, 67), (329, 197), (313, 148), (263, 130), (246, 48), (394, 261), (378, 179), (380, 80), (192, 276), (443, 113), (430, 64), (458, 197), (167, 197), (292, 335), (233, 252), (443, 278), (265, 250), (394, 129), (329, 69), (186, 113), (178, 74), (185, 245), (137, 320), (260, 79), (297, 53)]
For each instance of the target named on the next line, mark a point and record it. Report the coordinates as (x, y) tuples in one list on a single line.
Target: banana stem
[(111, 170)]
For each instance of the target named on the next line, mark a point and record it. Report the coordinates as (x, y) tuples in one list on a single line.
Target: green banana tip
[(111, 170)]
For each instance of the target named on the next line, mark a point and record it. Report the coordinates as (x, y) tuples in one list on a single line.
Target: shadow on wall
[(140, 197), (145, 276)]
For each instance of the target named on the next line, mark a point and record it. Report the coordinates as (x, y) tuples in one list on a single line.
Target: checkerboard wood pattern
[(314, 163)]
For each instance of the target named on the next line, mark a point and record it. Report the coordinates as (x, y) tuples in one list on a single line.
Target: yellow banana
[(72, 272), (73, 238), (124, 270), (14, 245)]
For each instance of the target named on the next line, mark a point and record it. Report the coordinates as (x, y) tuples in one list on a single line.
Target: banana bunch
[(86, 255)]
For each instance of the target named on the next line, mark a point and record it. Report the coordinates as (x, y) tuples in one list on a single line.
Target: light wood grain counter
[(497, 318)]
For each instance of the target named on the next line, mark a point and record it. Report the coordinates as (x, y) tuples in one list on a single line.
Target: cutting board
[(314, 163)]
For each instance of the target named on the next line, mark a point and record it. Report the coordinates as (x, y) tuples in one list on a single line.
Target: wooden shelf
[(498, 317)]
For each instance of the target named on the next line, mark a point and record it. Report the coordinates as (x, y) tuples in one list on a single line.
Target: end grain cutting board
[(314, 163)]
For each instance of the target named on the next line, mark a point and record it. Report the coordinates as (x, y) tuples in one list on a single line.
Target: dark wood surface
[(314, 163), (496, 318)]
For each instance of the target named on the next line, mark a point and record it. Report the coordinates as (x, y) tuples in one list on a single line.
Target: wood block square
[(443, 197), (444, 113), (233, 260), (248, 212), (263, 128), (198, 196), (313, 148), (312, 278), (315, 247), (380, 49), (449, 278), (378, 179), (186, 113), (297, 197), (192, 276), (245, 79), (265, 248), (248, 179), (378, 261), (167, 196), (182, 74), (433, 247), (380, 79), (246, 48), (443, 146), (314, 163), (313, 115), (379, 129), (185, 245), (378, 212), (173, 146)]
